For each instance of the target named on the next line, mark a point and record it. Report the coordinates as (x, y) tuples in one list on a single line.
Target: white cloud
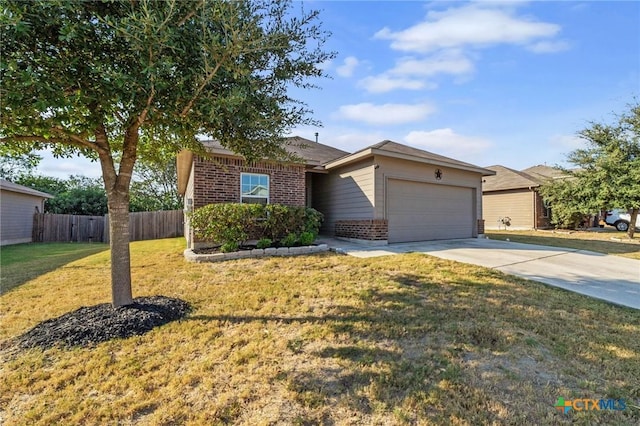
[(348, 67), (450, 144), (64, 167), (549, 46), (386, 114), (384, 83), (403, 75), (474, 25), (448, 62)]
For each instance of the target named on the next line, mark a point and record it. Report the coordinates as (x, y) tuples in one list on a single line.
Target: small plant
[(307, 238), (290, 240), (264, 243), (229, 247)]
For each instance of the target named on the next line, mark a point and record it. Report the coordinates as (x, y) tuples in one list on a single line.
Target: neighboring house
[(511, 199), (387, 192), (17, 205)]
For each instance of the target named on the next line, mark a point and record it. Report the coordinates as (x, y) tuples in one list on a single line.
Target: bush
[(226, 222), (228, 247), (307, 238), (264, 243), (236, 223), (290, 240)]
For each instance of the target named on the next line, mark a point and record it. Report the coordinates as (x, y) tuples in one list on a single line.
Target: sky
[(486, 82)]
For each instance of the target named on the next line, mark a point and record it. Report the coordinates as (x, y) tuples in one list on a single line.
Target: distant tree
[(48, 184), (110, 79), (76, 195), (607, 173), (568, 207), (82, 196), (155, 185), (14, 165)]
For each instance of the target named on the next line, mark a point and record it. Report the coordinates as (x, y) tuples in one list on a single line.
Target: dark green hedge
[(231, 224)]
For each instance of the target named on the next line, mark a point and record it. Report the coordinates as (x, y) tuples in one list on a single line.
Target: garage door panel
[(420, 211)]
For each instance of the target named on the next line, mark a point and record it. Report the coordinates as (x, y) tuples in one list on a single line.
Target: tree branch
[(206, 81), (65, 139)]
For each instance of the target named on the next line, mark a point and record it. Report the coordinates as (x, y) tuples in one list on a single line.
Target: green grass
[(324, 339), (23, 262), (607, 241)]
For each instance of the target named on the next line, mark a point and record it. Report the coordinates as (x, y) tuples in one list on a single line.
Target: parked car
[(620, 219)]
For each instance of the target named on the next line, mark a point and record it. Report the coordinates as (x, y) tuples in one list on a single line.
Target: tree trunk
[(120, 256), (632, 225), (117, 188)]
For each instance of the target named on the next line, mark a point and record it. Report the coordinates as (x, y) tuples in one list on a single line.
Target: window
[(254, 188), (546, 211)]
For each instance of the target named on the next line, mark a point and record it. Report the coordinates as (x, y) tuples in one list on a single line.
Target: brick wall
[(480, 226), (217, 180), (542, 222), (366, 229)]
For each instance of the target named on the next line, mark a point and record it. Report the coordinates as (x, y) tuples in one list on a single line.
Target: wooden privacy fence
[(152, 225), (74, 228)]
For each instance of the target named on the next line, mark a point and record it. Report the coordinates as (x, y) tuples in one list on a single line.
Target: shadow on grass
[(430, 351), (23, 262)]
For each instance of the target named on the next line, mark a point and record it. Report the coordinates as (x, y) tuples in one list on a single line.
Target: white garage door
[(418, 211)]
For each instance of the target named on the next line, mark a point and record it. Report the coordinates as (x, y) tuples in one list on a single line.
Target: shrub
[(225, 222), (235, 223), (290, 240), (307, 238), (229, 247), (283, 220), (312, 220), (264, 243)]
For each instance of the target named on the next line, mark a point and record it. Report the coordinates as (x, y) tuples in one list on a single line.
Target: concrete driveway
[(611, 278)]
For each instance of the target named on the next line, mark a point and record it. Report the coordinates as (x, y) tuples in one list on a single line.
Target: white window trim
[(268, 197)]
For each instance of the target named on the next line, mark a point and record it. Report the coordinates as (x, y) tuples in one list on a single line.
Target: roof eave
[(469, 168), (184, 162), (348, 159)]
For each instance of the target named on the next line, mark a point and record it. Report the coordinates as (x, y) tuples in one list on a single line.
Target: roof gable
[(506, 178), (398, 150), (531, 177), (543, 172)]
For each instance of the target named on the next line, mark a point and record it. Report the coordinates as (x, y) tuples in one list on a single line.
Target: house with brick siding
[(511, 198), (385, 193)]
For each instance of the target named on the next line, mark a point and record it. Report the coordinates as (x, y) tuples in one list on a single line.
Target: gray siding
[(515, 204), (345, 193), (16, 216)]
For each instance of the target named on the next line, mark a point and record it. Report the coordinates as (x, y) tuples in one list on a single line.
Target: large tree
[(107, 79), (607, 173)]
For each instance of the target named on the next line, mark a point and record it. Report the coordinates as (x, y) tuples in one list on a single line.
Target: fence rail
[(74, 228)]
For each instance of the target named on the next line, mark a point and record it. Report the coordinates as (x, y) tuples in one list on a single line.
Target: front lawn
[(22, 262), (607, 241), (323, 339)]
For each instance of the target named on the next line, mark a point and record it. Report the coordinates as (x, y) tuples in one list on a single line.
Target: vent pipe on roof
[(316, 137)]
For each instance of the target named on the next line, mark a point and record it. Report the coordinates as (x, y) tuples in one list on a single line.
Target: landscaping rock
[(99, 323)]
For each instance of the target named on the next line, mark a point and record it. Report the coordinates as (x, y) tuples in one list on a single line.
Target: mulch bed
[(94, 324)]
